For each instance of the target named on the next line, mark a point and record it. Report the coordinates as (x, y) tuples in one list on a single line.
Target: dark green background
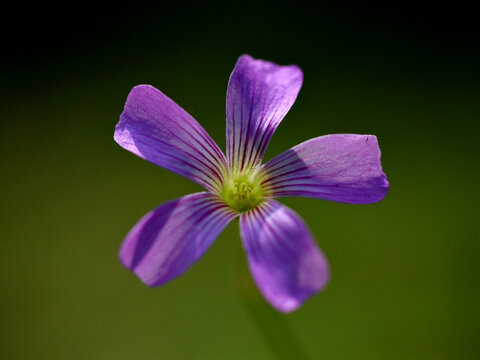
[(405, 271)]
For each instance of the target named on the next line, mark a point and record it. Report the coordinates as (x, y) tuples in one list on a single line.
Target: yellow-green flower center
[(243, 192)]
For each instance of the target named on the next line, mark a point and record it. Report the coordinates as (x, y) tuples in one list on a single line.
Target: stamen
[(243, 192)]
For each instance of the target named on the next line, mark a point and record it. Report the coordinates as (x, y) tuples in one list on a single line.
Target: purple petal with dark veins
[(283, 257), (344, 168), (169, 239), (259, 95), (155, 128)]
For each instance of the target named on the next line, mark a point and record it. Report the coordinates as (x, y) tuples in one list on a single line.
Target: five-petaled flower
[(284, 259)]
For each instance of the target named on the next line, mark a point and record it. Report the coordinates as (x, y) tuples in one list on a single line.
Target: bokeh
[(405, 271)]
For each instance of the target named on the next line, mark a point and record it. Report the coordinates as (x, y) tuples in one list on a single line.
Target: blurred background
[(405, 271)]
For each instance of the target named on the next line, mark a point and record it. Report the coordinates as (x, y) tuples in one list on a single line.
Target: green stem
[(273, 325)]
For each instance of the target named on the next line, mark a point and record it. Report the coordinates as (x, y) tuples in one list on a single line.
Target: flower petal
[(344, 168), (283, 257), (259, 95), (169, 239), (155, 128)]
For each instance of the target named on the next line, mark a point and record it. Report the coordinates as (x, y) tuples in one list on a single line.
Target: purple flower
[(284, 259)]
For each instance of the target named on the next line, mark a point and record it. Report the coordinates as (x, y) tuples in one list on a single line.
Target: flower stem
[(272, 325)]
